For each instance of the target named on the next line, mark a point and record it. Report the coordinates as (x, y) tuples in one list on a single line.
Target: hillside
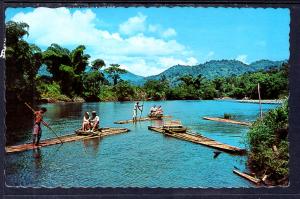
[(216, 68), (210, 70), (132, 78)]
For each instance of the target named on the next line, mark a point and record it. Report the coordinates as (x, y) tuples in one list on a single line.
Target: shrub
[(107, 93), (51, 91), (227, 116), (263, 136)]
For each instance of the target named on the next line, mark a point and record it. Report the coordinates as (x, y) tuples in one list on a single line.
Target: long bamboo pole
[(44, 123), (260, 107)]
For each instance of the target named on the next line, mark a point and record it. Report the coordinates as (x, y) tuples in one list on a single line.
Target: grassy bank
[(268, 157)]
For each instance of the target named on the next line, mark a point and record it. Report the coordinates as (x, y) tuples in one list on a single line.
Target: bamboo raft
[(246, 176), (142, 119), (66, 138), (227, 121), (199, 139)]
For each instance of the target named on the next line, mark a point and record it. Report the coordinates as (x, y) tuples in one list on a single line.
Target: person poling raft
[(37, 130), (156, 113), (137, 107)]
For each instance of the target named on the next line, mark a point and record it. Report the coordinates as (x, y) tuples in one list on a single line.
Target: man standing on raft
[(37, 130), (136, 107)]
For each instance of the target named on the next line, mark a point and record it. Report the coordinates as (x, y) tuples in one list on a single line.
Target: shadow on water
[(92, 145), (63, 110)]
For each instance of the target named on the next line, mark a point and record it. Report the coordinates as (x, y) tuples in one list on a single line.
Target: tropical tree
[(92, 83), (114, 72), (54, 57), (67, 67), (79, 60), (98, 64), (23, 61), (157, 89), (124, 91)]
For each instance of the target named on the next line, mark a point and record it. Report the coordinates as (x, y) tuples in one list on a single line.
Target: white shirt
[(95, 120), (135, 107)]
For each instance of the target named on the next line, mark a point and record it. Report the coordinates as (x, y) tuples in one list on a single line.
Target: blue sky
[(146, 41)]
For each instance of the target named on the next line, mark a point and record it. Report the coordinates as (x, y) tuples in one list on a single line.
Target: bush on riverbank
[(51, 91), (269, 146)]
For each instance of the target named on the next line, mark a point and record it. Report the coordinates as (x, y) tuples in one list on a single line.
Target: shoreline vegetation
[(74, 79), (268, 142), (81, 100)]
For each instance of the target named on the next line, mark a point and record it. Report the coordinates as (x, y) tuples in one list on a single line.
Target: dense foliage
[(269, 145), (73, 77)]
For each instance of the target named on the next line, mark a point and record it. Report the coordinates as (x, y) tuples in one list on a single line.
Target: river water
[(140, 158)]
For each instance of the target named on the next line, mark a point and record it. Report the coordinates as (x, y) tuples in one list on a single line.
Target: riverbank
[(81, 100), (269, 156), (61, 100), (272, 101)]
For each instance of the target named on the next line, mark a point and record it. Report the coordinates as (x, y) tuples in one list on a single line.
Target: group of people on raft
[(89, 123), (154, 111)]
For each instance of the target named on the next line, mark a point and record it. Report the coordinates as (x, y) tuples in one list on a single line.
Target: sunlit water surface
[(140, 158)]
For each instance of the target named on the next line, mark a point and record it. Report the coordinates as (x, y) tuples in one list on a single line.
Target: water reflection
[(158, 122), (64, 110), (38, 159), (19, 121), (92, 144)]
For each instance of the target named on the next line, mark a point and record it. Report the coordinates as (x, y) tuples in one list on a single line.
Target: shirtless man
[(37, 130)]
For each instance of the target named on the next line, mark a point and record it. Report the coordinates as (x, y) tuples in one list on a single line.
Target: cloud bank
[(130, 46)]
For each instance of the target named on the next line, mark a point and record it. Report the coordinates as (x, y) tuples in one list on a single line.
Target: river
[(140, 158)]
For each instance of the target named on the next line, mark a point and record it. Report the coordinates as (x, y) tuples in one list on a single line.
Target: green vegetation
[(114, 72), (72, 77), (228, 116), (269, 146)]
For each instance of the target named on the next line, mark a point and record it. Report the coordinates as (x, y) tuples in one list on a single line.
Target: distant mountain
[(266, 64), (211, 69), (132, 78), (216, 68)]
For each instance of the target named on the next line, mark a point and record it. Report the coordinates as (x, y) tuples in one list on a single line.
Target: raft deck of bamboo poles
[(200, 139), (141, 119), (66, 138), (247, 177), (217, 119)]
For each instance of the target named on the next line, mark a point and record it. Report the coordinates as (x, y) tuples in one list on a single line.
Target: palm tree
[(98, 64), (114, 72)]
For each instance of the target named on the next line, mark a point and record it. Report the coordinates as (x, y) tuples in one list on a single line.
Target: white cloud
[(153, 28), (60, 26), (169, 32), (133, 25), (171, 61), (242, 58), (139, 53)]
